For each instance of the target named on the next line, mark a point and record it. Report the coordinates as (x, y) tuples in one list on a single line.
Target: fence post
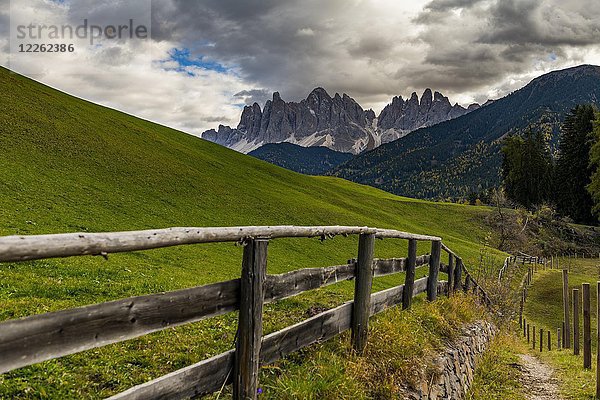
[(434, 269), (524, 327), (558, 337), (247, 348), (528, 338), (409, 280), (576, 322), (567, 327), (533, 341), (362, 292), (468, 282), (450, 274), (541, 340), (458, 275), (549, 341), (587, 333), (521, 312)]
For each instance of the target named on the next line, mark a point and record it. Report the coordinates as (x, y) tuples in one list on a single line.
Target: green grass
[(544, 309), (496, 377), (401, 349), (67, 165)]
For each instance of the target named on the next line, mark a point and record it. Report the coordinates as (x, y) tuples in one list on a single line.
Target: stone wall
[(456, 365)]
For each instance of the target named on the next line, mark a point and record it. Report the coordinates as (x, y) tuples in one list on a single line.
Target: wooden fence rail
[(34, 339)]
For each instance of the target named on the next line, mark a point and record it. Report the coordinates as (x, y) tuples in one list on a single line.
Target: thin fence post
[(533, 341), (434, 269), (362, 292), (250, 327), (524, 327), (549, 341), (468, 282), (409, 280), (587, 333), (528, 337), (558, 337), (458, 275), (521, 313), (567, 327), (450, 274), (541, 340), (576, 322)]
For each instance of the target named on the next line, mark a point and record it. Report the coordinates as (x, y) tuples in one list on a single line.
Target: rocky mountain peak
[(426, 98), (276, 97)]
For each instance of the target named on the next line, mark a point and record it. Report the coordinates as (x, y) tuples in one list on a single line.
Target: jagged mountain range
[(337, 122)]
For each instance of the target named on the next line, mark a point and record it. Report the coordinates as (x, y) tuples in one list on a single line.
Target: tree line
[(568, 179)]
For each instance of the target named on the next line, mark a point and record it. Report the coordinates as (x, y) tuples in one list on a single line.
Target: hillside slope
[(463, 155), (67, 165)]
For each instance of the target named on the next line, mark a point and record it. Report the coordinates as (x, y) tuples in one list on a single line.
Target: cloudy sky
[(208, 58)]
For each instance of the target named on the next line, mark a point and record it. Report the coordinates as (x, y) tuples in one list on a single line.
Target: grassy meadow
[(67, 165), (544, 309)]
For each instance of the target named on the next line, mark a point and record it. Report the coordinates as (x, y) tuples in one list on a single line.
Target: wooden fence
[(38, 338), (568, 335)]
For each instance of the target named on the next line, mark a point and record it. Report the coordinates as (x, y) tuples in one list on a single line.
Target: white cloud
[(305, 32)]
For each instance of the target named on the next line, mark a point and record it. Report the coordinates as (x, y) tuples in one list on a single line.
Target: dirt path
[(537, 379)]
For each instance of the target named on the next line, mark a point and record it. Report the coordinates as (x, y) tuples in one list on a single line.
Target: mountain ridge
[(337, 122)]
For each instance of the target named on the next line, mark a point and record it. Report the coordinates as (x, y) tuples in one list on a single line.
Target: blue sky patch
[(184, 58)]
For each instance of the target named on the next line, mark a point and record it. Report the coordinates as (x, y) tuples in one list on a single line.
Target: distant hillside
[(306, 160), (463, 155)]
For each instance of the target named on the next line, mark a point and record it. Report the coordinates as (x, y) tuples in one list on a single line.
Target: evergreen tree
[(527, 168), (594, 186), (573, 169)]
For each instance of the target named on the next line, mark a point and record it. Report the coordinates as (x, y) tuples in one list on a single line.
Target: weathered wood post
[(576, 322), (598, 340), (250, 327), (533, 341), (587, 333), (362, 292), (558, 338), (458, 275), (450, 274), (524, 327), (468, 283), (409, 280), (541, 340), (434, 269), (528, 337), (521, 313), (566, 311), (549, 341)]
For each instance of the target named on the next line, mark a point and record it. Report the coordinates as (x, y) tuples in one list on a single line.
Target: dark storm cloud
[(472, 45), (445, 5), (252, 96), (551, 23), (290, 46)]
